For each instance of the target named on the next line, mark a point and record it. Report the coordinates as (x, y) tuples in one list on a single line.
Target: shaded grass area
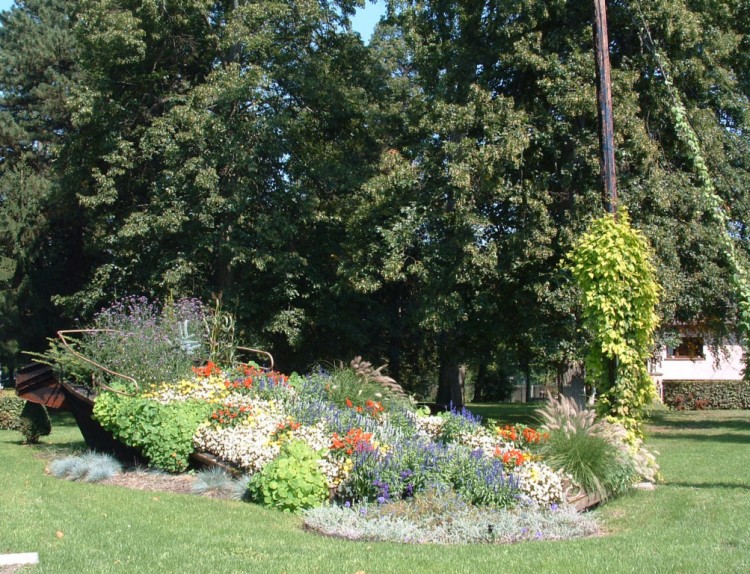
[(507, 413), (695, 522)]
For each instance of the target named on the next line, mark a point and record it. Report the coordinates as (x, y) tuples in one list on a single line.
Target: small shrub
[(701, 395), (163, 432), (30, 419), (88, 467), (292, 482)]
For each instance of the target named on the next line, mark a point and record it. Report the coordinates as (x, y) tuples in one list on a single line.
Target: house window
[(689, 348)]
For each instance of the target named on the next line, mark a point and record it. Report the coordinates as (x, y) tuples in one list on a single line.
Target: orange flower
[(513, 456), (207, 370)]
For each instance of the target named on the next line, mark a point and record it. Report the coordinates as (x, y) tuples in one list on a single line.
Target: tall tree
[(213, 143), (38, 233), (476, 239), (440, 220)]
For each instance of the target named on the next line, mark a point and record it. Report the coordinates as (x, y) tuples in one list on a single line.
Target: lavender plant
[(145, 340), (458, 423)]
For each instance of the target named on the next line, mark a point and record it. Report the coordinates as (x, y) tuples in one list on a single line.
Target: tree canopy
[(411, 200)]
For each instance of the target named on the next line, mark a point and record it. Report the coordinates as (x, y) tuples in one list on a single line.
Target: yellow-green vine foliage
[(612, 264)]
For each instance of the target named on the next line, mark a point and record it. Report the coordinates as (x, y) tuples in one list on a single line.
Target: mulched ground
[(152, 481)]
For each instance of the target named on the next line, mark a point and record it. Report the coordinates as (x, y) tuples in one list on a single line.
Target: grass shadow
[(507, 413), (19, 441), (62, 418), (731, 438), (708, 485), (701, 420), (72, 446)]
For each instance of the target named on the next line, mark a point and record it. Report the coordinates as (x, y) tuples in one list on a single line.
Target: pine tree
[(38, 67)]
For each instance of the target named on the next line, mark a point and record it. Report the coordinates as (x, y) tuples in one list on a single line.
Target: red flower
[(207, 370)]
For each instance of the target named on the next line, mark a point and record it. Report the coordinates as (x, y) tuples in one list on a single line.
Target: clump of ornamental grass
[(441, 517), (88, 467), (593, 452), (595, 464), (218, 483)]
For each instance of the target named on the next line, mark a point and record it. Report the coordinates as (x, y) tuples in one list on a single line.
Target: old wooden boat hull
[(38, 384)]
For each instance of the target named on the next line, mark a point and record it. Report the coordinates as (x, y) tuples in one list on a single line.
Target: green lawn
[(699, 521)]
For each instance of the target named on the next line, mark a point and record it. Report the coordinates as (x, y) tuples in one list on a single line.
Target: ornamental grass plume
[(563, 414), (593, 452)]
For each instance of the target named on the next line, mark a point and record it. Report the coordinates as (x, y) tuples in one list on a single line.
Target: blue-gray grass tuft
[(217, 482), (89, 467)]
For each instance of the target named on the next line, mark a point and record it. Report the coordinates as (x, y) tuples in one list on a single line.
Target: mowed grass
[(698, 521)]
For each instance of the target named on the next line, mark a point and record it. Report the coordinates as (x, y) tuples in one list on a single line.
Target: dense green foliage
[(162, 432), (30, 419), (701, 395), (39, 227), (612, 265), (411, 199), (292, 482)]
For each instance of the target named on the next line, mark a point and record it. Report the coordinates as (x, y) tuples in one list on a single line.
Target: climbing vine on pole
[(714, 206), (612, 264)]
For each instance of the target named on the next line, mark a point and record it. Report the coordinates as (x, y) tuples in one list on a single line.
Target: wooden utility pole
[(604, 94), (606, 130)]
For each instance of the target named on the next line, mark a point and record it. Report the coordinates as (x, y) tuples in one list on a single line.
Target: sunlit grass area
[(695, 522)]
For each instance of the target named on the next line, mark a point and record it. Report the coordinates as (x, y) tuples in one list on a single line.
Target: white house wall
[(682, 369)]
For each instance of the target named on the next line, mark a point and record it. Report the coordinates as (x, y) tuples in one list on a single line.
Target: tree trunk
[(527, 375), (450, 381), (480, 383), (571, 382)]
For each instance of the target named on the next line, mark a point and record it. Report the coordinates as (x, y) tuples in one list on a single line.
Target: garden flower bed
[(355, 454), (367, 450)]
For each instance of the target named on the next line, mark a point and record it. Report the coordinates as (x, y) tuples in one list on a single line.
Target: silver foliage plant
[(90, 466), (454, 523)]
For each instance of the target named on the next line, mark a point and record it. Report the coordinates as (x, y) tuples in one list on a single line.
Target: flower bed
[(371, 447), (350, 436)]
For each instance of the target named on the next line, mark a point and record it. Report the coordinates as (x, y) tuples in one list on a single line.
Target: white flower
[(540, 483)]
